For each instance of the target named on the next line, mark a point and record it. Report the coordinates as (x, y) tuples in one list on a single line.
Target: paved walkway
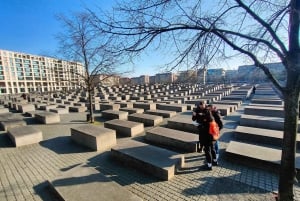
[(25, 170)]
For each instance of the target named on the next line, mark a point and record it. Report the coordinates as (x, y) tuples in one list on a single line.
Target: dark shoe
[(215, 163), (206, 167)]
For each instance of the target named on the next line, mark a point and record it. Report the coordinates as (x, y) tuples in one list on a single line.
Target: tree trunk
[(91, 117), (287, 168)]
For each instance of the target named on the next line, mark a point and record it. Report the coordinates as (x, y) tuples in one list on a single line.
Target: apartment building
[(143, 79), (216, 75), (24, 73), (251, 73), (163, 78)]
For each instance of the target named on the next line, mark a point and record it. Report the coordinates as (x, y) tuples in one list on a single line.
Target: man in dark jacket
[(199, 116)]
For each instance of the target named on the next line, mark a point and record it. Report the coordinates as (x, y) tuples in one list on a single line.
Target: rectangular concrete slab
[(23, 108), (11, 123), (159, 162), (77, 109), (260, 135), (145, 106), (255, 155), (183, 123), (124, 127), (86, 183), (264, 111), (163, 113), (173, 138), (47, 117), (4, 110), (94, 137), (146, 119), (172, 107), (114, 114), (267, 101), (60, 110), (24, 135), (132, 110), (229, 102), (108, 106), (275, 123)]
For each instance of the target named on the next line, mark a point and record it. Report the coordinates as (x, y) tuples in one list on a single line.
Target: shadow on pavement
[(45, 192), (64, 145), (118, 172), (5, 142), (222, 186)]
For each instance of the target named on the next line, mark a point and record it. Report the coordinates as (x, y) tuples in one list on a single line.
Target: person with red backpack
[(217, 117), (203, 116)]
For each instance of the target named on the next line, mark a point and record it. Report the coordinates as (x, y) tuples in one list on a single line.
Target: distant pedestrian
[(253, 89), (24, 96)]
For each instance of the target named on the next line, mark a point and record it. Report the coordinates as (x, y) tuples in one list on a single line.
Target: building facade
[(105, 80), (253, 74), (189, 76), (143, 79), (216, 75), (24, 73), (163, 78)]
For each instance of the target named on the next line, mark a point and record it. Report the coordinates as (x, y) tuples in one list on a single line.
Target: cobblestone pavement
[(24, 171)]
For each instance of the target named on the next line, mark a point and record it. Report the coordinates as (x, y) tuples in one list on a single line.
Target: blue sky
[(30, 27)]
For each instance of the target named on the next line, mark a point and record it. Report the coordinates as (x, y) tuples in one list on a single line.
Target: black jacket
[(217, 117), (203, 117)]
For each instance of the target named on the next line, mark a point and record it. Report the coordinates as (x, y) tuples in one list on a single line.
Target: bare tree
[(262, 31), (81, 43)]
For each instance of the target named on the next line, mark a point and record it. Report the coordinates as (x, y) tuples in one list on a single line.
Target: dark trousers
[(200, 143), (210, 152)]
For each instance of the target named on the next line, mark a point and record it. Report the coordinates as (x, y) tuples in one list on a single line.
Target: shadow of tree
[(222, 186)]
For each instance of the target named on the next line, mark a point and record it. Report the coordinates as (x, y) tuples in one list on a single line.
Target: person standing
[(204, 116), (253, 89), (198, 116), (217, 117)]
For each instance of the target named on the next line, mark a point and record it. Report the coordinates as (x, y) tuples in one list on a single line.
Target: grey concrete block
[(47, 117), (125, 128), (11, 123), (94, 137), (114, 114), (182, 123), (146, 119), (159, 162), (172, 107), (255, 155), (173, 138), (24, 135)]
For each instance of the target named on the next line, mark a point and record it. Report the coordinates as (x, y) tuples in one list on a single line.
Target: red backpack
[(214, 130)]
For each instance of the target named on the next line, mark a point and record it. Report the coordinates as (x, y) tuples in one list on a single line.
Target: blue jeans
[(217, 147)]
